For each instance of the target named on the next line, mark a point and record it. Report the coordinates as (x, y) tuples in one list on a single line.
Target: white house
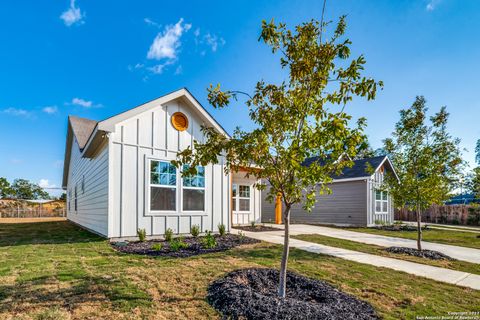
[(119, 178)]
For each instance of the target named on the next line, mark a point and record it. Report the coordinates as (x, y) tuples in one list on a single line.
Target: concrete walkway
[(459, 253), (459, 228), (459, 278)]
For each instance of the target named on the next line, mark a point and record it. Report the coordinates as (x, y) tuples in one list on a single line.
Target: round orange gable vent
[(179, 121)]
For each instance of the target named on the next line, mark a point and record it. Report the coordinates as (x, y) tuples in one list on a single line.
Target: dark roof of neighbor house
[(358, 170), (82, 129)]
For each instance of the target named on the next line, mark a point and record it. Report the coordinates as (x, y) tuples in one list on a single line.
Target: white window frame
[(237, 197), (381, 201), (150, 185), (196, 188)]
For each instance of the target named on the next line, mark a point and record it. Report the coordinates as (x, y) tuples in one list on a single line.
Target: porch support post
[(278, 210)]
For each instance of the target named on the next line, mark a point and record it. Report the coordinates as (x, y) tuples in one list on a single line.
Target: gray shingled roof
[(82, 129), (358, 170)]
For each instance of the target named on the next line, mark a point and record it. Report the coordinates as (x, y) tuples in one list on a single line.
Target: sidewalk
[(459, 278), (460, 228), (456, 252)]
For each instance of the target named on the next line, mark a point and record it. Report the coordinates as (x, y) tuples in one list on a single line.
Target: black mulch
[(429, 254), (252, 294), (195, 246), (399, 227), (257, 228)]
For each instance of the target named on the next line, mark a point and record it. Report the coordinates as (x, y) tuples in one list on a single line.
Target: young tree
[(5, 189), (426, 158), (302, 116), (24, 189), (472, 182)]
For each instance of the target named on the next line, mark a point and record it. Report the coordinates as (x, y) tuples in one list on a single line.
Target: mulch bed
[(429, 254), (399, 227), (252, 294), (195, 246), (257, 228)]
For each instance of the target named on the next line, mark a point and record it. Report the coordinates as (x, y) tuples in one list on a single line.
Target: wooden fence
[(446, 214), (11, 208)]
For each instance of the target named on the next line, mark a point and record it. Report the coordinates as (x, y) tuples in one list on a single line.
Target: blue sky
[(97, 58)]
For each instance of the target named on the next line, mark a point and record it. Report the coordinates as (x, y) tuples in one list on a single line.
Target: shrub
[(379, 222), (252, 223), (142, 234), (221, 229), (157, 247), (209, 241), (241, 235), (178, 244), (168, 235), (195, 230)]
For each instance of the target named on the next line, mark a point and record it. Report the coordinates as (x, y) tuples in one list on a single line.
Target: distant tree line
[(21, 189)]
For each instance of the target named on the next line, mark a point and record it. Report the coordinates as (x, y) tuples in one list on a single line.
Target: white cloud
[(84, 103), (17, 112), (151, 22), (157, 69), (432, 4), (50, 109), (166, 43), (73, 15), (44, 183), (211, 40), (214, 41)]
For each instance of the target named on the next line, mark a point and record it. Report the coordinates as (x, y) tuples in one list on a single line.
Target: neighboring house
[(356, 198), (119, 178)]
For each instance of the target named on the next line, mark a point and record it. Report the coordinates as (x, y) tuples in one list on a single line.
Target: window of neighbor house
[(163, 186), (381, 201), (193, 191), (241, 197)]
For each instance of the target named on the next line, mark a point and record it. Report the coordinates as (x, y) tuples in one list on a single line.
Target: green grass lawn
[(452, 237), (380, 251), (56, 270)]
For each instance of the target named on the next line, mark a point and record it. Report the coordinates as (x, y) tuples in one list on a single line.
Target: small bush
[(221, 229), (157, 247), (168, 235), (178, 244), (142, 234), (252, 223), (195, 230), (379, 222), (209, 241), (241, 235)]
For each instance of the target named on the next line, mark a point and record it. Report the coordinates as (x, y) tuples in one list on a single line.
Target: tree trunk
[(282, 285), (419, 228)]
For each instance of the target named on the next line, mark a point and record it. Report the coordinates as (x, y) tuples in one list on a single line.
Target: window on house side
[(194, 191), (241, 198), (163, 186), (381, 201)]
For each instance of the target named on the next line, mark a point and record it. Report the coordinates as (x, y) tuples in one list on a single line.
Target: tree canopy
[(22, 189), (300, 117), (426, 158)]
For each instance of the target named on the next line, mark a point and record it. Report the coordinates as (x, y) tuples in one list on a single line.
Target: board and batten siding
[(373, 184), (150, 135), (90, 177), (346, 205)]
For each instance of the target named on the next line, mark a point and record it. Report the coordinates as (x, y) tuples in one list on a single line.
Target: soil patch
[(252, 294), (194, 246), (258, 228), (399, 227), (429, 254)]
